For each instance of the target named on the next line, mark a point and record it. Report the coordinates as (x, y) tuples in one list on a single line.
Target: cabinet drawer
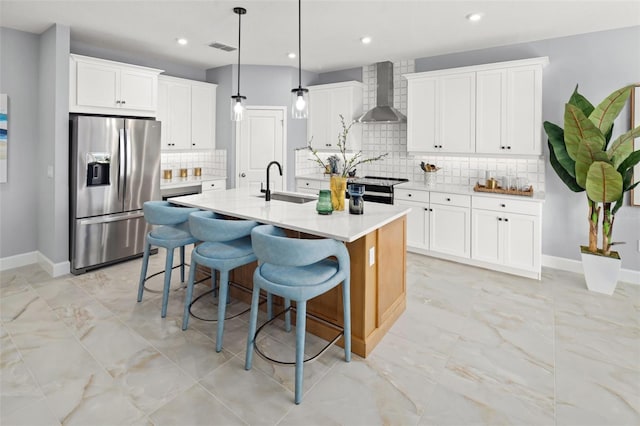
[(411, 195), (450, 199), (214, 185), (506, 205), (312, 184)]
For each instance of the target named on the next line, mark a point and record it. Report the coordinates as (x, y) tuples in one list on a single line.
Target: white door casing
[(260, 139)]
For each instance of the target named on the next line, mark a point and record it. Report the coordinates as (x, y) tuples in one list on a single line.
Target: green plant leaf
[(629, 162), (581, 102), (577, 129), (556, 144), (622, 147), (607, 111), (562, 173), (604, 183), (588, 152)]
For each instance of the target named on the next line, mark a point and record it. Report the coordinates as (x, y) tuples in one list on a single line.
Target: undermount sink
[(291, 198)]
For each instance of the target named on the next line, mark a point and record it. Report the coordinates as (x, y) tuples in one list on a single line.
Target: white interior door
[(260, 139)]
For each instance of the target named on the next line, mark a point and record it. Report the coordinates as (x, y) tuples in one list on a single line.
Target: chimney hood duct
[(384, 112)]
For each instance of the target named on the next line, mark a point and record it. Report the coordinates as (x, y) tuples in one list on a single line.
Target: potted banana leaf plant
[(585, 160)]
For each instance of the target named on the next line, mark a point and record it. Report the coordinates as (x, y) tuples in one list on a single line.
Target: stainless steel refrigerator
[(115, 168)]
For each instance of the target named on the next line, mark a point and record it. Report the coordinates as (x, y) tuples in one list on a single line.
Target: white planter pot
[(600, 272)]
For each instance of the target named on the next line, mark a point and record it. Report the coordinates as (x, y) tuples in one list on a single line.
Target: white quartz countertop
[(340, 225), (179, 182), (466, 190)]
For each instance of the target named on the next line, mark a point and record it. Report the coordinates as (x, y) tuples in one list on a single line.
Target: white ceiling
[(331, 30)]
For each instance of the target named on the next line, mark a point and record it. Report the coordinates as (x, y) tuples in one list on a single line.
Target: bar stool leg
[(143, 270), (222, 307), (253, 320), (167, 282), (301, 319), (287, 315), (189, 296)]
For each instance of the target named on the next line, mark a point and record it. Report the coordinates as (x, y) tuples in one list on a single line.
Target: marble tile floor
[(473, 347)]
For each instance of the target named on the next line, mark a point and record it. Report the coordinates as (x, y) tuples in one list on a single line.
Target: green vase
[(324, 205)]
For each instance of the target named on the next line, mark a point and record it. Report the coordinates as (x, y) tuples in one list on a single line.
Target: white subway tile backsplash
[(213, 163)]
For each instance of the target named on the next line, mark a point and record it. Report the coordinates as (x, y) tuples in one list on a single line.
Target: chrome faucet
[(267, 194)]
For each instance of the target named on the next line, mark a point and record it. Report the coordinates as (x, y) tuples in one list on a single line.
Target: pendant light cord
[(299, 46)]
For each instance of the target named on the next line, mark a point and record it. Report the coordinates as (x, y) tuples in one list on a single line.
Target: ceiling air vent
[(222, 46)]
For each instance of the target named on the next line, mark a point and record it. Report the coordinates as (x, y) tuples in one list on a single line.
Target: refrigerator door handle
[(121, 165), (127, 133), (110, 218)]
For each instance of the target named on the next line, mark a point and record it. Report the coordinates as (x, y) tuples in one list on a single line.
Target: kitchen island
[(376, 242)]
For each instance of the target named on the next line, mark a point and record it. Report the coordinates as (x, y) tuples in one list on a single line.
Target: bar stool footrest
[(231, 284), (182, 285), (311, 358)]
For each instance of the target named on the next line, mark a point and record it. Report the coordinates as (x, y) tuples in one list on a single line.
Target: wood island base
[(378, 288)]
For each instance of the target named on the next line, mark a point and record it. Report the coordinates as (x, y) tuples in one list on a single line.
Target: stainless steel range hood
[(384, 112)]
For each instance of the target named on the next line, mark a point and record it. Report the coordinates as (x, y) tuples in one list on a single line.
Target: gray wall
[(170, 68), (263, 86), (19, 70), (349, 74), (600, 63)]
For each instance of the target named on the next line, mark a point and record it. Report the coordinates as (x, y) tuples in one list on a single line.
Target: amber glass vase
[(338, 185)]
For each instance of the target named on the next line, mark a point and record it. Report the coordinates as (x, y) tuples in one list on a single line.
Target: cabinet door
[(342, 103), (138, 90), (417, 224), (486, 237), (319, 126), (179, 136), (449, 230), (524, 110), (491, 108), (421, 115), (162, 114), (97, 85), (457, 112), (521, 241), (203, 115)]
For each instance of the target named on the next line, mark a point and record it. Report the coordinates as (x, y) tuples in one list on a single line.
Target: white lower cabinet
[(507, 233), (311, 186), (496, 233), (437, 222), (214, 185)]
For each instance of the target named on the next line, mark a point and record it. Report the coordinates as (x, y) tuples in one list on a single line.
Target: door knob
[(243, 175)]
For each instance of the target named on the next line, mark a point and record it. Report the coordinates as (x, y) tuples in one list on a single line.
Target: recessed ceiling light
[(291, 55), (182, 41), (365, 40), (474, 17)]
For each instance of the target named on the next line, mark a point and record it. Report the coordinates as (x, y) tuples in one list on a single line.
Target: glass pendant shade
[(237, 107), (299, 103)]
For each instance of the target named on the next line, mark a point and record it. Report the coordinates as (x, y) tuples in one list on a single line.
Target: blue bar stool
[(226, 245), (173, 232), (297, 270)]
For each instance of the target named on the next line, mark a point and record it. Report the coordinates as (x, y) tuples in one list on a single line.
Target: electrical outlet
[(372, 256)]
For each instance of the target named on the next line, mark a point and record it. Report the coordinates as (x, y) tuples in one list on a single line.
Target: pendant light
[(299, 95), (238, 101)]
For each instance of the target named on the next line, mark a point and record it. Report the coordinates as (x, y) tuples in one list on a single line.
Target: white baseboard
[(53, 269), (626, 275), (17, 261)]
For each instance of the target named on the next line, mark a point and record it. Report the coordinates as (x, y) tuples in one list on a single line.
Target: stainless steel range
[(378, 189)]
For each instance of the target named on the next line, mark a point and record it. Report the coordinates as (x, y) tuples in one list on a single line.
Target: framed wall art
[(635, 121), (4, 121)]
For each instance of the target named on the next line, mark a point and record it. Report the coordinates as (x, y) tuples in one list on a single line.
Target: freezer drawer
[(101, 240)]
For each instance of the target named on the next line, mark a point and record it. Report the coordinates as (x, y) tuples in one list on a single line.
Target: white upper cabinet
[(326, 103), (98, 86), (509, 111), (485, 109), (187, 110)]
